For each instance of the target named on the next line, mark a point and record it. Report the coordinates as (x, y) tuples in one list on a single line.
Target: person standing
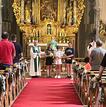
[(49, 60), (18, 49), (90, 47), (35, 60), (7, 51), (101, 69), (96, 55), (58, 61), (69, 55)]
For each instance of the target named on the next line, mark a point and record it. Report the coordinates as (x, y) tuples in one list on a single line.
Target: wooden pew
[(88, 91), (14, 83)]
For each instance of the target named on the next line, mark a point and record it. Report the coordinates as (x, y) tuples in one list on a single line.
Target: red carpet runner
[(45, 92)]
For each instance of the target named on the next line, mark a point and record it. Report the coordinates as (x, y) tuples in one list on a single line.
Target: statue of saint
[(69, 16), (49, 30), (53, 44), (27, 12)]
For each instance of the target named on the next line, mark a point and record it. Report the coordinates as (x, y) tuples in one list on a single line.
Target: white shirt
[(58, 57)]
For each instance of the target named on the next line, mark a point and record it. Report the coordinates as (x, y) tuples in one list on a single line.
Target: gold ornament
[(30, 29)]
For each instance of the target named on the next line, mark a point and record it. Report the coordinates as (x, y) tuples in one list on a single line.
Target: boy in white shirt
[(58, 61)]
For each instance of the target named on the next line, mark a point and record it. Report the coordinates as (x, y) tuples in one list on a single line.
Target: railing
[(12, 81), (91, 92)]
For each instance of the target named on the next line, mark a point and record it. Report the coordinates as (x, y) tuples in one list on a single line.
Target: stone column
[(97, 22), (97, 17)]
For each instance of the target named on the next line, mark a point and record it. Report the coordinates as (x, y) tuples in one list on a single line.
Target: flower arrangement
[(77, 67)]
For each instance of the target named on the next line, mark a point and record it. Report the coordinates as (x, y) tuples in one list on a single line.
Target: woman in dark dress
[(49, 59)]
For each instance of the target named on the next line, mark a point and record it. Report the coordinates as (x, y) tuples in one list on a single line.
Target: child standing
[(58, 62), (87, 65), (69, 55)]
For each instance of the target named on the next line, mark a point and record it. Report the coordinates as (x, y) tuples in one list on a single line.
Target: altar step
[(53, 73)]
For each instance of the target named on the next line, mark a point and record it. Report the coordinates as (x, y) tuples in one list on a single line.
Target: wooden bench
[(87, 90), (14, 82)]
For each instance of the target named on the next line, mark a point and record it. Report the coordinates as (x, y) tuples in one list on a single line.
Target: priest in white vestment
[(35, 60)]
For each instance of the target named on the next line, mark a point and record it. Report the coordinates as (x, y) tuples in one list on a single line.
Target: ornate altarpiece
[(44, 19)]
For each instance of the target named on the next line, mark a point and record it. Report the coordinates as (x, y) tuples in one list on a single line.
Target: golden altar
[(43, 19)]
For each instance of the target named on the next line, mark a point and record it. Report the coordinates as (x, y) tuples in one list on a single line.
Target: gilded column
[(33, 12), (22, 11), (60, 10), (27, 12), (38, 10), (74, 11), (64, 19)]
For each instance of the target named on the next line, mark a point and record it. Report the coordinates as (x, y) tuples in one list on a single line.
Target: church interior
[(57, 23)]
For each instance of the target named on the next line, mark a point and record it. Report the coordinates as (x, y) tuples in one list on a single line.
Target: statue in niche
[(49, 30), (69, 12), (28, 11), (53, 44), (69, 16)]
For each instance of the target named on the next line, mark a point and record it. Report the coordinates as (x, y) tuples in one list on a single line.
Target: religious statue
[(49, 29), (53, 44), (69, 16), (27, 12)]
